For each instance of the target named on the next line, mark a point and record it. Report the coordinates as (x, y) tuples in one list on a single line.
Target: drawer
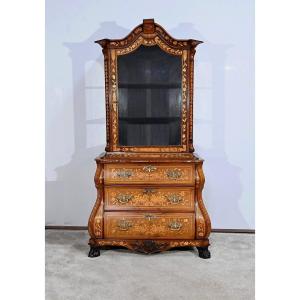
[(149, 174), (149, 225), (149, 198)]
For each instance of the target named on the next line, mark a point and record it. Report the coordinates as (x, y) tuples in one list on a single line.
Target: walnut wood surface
[(148, 246), (129, 157), (183, 174), (149, 198), (133, 183), (149, 225)]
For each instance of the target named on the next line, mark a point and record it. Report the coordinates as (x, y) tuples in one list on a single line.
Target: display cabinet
[(149, 182)]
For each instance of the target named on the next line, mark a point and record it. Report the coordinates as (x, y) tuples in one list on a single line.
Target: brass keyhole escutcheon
[(149, 169), (149, 191), (149, 217)]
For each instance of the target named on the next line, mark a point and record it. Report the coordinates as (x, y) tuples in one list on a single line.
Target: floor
[(175, 274)]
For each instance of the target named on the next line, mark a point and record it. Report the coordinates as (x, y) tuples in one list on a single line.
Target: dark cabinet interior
[(149, 98)]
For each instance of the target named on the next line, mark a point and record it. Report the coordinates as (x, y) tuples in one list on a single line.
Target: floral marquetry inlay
[(167, 174), (149, 246), (145, 198), (149, 225), (114, 101)]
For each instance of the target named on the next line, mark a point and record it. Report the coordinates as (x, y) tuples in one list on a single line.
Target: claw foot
[(203, 252), (94, 252)]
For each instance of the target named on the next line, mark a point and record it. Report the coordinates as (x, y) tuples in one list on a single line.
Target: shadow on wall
[(223, 188), (74, 185), (69, 199)]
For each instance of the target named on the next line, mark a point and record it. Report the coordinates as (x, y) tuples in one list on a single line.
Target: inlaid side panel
[(95, 224), (149, 225), (203, 223), (149, 174)]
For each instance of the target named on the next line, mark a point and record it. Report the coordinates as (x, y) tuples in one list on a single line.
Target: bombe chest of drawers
[(149, 182)]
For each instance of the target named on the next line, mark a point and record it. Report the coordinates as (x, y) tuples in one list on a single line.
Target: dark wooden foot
[(203, 252), (94, 252)]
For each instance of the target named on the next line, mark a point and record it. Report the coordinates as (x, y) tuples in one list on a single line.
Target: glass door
[(149, 98)]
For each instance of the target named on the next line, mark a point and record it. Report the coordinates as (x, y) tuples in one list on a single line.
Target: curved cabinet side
[(203, 224), (95, 225)]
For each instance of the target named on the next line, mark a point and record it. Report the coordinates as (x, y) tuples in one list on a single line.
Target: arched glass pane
[(149, 96)]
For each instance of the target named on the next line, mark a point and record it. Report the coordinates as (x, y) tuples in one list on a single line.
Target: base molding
[(218, 230), (149, 246)]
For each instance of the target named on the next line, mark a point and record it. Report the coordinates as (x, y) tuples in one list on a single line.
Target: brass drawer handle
[(175, 225), (124, 173), (124, 225), (149, 217), (174, 173), (149, 169), (124, 198), (149, 191), (174, 198)]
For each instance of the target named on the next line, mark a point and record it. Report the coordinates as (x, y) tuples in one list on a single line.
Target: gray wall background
[(223, 110)]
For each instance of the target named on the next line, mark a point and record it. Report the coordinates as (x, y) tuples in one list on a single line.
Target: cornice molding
[(149, 30)]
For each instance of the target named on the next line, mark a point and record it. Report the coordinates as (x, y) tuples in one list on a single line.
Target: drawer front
[(149, 174), (149, 225), (160, 198)]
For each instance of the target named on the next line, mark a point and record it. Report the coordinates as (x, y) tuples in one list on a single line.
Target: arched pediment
[(148, 33)]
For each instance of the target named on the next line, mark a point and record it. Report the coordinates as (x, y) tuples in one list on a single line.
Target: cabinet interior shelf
[(149, 85), (149, 120)]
